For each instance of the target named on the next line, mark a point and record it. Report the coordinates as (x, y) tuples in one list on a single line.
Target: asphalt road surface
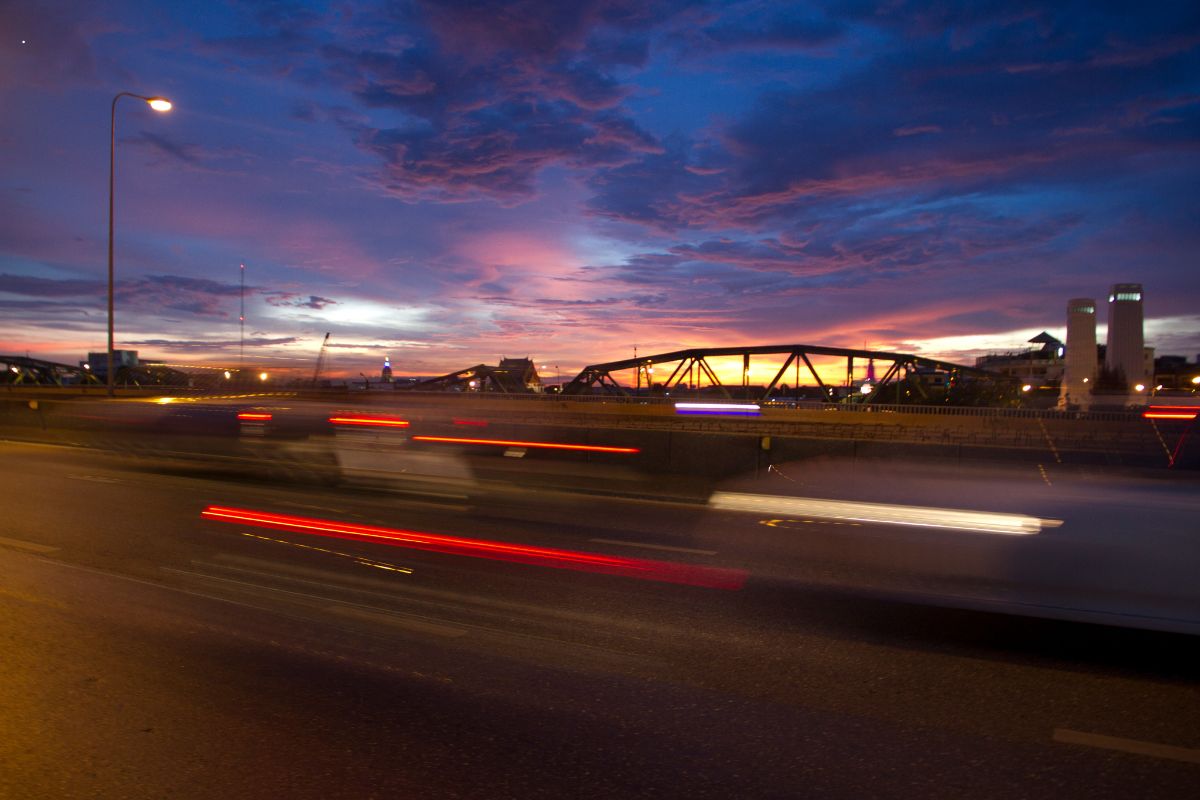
[(150, 652)]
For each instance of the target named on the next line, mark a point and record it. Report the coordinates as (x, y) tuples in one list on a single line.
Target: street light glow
[(158, 104)]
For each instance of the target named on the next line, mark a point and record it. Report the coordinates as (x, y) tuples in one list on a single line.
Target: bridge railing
[(1113, 415)]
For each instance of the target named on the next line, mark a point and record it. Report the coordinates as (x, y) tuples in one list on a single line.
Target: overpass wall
[(668, 444)]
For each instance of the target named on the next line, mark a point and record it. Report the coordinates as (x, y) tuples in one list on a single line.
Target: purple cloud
[(289, 300)]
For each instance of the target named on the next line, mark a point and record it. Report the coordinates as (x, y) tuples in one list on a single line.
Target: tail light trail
[(1171, 412), (664, 571), (369, 421), (586, 448)]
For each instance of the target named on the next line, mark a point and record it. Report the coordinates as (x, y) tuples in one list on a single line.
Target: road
[(150, 652)]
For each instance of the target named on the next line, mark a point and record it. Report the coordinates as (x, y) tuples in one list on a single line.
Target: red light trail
[(370, 421), (249, 417), (588, 448), (1171, 412), (644, 569)]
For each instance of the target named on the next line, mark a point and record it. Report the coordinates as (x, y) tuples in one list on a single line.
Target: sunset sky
[(447, 183)]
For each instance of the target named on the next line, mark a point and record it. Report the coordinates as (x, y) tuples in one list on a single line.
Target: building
[(1036, 367), (517, 375), (97, 363), (1125, 356), (1080, 362), (386, 373)]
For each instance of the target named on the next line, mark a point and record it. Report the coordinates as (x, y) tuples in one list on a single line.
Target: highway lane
[(1114, 548), (498, 679)]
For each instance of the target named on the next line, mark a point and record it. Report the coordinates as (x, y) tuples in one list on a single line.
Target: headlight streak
[(718, 409), (883, 513), (587, 448), (644, 569), (366, 562), (371, 421)]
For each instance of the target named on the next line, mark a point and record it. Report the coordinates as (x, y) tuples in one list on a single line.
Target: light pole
[(158, 104)]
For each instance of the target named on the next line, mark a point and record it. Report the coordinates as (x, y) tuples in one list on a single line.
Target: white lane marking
[(1152, 749), (649, 546), (32, 547), (397, 621), (882, 513), (95, 478)]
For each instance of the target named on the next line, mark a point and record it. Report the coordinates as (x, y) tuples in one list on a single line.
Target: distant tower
[(1125, 354), (1079, 368), (387, 370)]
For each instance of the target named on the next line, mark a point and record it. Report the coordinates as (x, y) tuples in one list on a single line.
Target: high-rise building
[(386, 373), (1079, 368), (1125, 355)]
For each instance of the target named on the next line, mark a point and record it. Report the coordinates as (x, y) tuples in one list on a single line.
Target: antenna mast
[(242, 320)]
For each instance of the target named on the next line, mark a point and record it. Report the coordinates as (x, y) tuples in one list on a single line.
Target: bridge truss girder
[(25, 371), (692, 366), (485, 379)]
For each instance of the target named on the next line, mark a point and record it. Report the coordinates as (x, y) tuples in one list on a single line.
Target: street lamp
[(158, 104)]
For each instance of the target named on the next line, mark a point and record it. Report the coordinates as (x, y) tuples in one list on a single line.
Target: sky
[(449, 183)]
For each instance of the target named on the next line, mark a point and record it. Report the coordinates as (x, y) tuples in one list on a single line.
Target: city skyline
[(449, 183)]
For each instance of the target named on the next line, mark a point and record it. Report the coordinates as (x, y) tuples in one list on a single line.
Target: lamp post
[(158, 104)]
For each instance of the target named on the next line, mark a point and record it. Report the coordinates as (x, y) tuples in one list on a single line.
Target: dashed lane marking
[(783, 523), (95, 478), (30, 547), (398, 621), (649, 546)]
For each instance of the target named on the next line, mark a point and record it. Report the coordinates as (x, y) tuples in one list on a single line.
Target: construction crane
[(320, 360)]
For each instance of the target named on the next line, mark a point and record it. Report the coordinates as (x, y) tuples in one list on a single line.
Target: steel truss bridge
[(692, 371), (25, 371)]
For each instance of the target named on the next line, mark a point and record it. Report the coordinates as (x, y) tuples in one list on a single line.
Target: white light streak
[(717, 406), (883, 513)]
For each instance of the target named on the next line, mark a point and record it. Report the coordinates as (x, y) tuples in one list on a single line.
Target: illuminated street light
[(1141, 387), (262, 376), (1026, 387), (158, 104), (228, 375), (865, 388), (1196, 381)]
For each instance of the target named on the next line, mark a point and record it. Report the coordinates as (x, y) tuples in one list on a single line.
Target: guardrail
[(602, 399), (812, 405)]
